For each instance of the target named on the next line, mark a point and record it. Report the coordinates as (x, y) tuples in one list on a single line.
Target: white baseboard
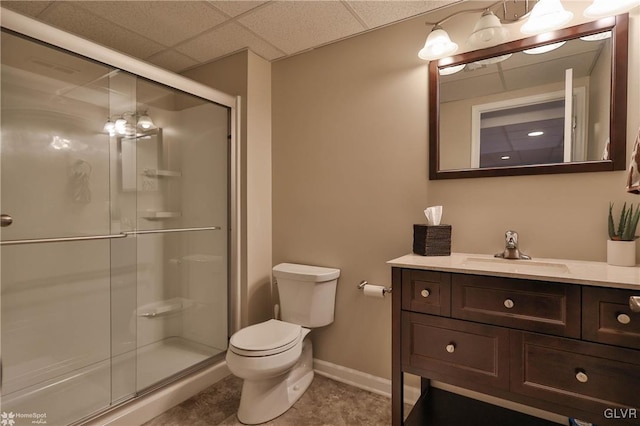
[(361, 380)]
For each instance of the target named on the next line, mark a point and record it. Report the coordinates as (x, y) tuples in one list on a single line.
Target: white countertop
[(598, 274)]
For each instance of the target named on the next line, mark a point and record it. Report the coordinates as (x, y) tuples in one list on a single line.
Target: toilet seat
[(266, 338)]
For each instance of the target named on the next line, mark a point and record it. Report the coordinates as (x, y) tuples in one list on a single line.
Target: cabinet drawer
[(587, 376), (428, 292), (442, 348), (540, 306), (607, 318)]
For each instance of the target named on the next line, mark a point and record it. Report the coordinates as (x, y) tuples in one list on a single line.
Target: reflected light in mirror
[(494, 60), (544, 49), (546, 15), (534, 134), (451, 70), (597, 37), (601, 8)]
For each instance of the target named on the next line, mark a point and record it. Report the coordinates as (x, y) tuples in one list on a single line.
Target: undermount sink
[(518, 266)]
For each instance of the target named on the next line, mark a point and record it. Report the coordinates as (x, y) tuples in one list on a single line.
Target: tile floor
[(326, 402)]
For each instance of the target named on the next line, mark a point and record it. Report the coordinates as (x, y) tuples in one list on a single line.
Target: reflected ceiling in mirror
[(538, 105)]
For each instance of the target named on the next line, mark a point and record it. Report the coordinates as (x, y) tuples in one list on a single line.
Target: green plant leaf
[(612, 226), (623, 219), (632, 223)]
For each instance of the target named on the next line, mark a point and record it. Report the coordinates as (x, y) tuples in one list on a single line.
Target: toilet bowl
[(275, 358), (276, 372)]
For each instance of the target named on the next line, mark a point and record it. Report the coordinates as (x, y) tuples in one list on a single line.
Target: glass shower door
[(114, 255), (181, 216), (55, 173)]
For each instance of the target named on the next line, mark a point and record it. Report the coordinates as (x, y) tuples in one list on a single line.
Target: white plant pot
[(621, 253)]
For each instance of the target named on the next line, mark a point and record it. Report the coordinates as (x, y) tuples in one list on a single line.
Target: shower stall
[(116, 194)]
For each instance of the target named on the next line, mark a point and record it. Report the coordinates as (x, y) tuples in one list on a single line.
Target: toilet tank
[(307, 293)]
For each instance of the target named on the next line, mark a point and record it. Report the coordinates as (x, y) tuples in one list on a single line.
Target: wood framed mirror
[(514, 109)]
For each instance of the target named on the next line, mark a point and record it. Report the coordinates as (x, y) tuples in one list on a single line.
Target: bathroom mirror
[(523, 108)]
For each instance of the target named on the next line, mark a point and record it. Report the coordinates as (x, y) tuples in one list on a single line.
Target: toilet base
[(264, 400)]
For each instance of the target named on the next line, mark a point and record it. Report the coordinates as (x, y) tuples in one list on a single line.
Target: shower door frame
[(42, 32)]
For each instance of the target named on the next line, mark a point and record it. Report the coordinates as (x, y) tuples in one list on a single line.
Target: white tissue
[(433, 214), (376, 291)]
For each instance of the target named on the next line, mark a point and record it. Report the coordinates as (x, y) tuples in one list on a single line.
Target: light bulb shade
[(145, 122), (546, 15), (438, 45), (602, 8), (488, 31), (110, 127), (120, 126)]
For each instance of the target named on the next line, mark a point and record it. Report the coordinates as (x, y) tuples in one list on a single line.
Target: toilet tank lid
[(295, 271)]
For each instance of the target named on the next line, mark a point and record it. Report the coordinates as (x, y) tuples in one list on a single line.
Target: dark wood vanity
[(564, 347)]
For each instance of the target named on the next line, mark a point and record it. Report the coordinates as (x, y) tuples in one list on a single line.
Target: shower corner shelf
[(157, 215), (161, 173)]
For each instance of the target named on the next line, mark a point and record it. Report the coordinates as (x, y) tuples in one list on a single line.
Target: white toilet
[(274, 358)]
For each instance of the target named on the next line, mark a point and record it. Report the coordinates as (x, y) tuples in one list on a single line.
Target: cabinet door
[(607, 318), (428, 292), (539, 306), (444, 349), (587, 376)]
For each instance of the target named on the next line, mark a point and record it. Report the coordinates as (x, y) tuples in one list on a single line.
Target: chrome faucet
[(511, 249)]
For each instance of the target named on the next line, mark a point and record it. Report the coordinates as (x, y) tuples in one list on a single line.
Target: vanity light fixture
[(544, 49), (110, 127), (145, 122), (546, 15), (541, 15), (438, 45), (488, 31), (121, 125), (602, 8)]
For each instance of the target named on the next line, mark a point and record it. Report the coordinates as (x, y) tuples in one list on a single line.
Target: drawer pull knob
[(451, 348), (425, 293), (508, 303), (624, 319), (582, 377)]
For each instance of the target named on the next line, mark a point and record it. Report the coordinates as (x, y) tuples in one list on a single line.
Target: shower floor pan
[(89, 390)]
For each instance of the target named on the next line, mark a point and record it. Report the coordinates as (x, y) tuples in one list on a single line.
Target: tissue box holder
[(432, 240)]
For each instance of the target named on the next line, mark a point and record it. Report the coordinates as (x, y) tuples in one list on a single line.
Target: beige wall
[(247, 75), (350, 177)]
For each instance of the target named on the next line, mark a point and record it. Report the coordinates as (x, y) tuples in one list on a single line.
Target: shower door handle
[(5, 220)]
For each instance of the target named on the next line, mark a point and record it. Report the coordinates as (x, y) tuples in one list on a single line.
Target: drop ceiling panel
[(293, 29), (172, 60), (224, 40), (201, 31), (377, 13), (166, 22), (235, 8), (78, 21), (29, 8)]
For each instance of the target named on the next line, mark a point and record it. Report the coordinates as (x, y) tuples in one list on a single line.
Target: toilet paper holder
[(385, 290)]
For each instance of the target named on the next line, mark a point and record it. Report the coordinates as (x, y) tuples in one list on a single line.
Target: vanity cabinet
[(563, 347)]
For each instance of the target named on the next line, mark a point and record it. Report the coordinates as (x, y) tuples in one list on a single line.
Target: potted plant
[(621, 247)]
